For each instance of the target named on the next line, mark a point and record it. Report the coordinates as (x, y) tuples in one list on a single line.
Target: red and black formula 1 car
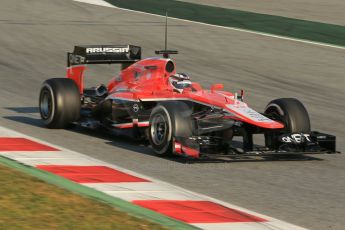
[(148, 98)]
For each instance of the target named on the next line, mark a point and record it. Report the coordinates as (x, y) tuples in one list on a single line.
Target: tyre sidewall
[(164, 148), (65, 100), (46, 88), (178, 115)]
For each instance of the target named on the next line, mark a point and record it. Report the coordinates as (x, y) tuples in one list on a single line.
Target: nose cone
[(249, 115), (236, 108)]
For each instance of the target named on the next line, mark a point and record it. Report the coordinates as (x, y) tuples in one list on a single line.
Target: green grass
[(29, 203), (282, 26), (121, 205)]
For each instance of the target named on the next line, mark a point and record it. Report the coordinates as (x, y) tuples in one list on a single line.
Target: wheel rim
[(159, 129), (46, 104)]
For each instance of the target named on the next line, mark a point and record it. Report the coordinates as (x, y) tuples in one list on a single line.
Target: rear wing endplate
[(104, 54)]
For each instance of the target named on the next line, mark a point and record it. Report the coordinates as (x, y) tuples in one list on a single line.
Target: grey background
[(328, 11)]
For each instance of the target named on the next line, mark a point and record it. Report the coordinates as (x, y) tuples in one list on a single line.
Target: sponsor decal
[(76, 59), (296, 138), (107, 50), (137, 75), (249, 113), (135, 108), (118, 78)]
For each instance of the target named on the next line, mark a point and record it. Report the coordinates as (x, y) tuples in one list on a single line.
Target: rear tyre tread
[(63, 98)]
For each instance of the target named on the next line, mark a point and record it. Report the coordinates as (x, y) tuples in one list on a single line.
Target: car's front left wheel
[(169, 120)]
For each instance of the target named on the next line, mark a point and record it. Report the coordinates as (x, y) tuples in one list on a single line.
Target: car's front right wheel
[(292, 113)]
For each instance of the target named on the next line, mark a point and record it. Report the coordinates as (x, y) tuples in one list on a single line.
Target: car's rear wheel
[(292, 113), (169, 120), (59, 102)]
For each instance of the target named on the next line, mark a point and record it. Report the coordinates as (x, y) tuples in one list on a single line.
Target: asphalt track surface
[(36, 35), (251, 22), (328, 11)]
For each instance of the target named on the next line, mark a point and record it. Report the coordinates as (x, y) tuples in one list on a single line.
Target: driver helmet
[(180, 81)]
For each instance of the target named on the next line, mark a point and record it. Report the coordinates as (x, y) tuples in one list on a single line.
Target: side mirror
[(217, 87)]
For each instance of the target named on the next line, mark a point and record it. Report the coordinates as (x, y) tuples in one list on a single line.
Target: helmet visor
[(181, 84)]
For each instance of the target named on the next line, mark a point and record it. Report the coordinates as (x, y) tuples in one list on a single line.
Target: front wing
[(290, 144)]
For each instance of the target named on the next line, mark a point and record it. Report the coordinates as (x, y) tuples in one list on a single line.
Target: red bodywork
[(147, 80)]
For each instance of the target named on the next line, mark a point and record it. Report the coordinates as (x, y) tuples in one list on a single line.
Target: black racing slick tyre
[(169, 120), (292, 113), (59, 102)]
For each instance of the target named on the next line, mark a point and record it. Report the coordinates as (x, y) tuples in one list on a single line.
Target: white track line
[(152, 190), (97, 2), (106, 4)]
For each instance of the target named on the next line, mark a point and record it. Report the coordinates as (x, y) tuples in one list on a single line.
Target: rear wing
[(104, 54), (99, 54)]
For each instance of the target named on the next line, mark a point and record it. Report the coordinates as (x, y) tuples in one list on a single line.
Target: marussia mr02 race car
[(149, 99)]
